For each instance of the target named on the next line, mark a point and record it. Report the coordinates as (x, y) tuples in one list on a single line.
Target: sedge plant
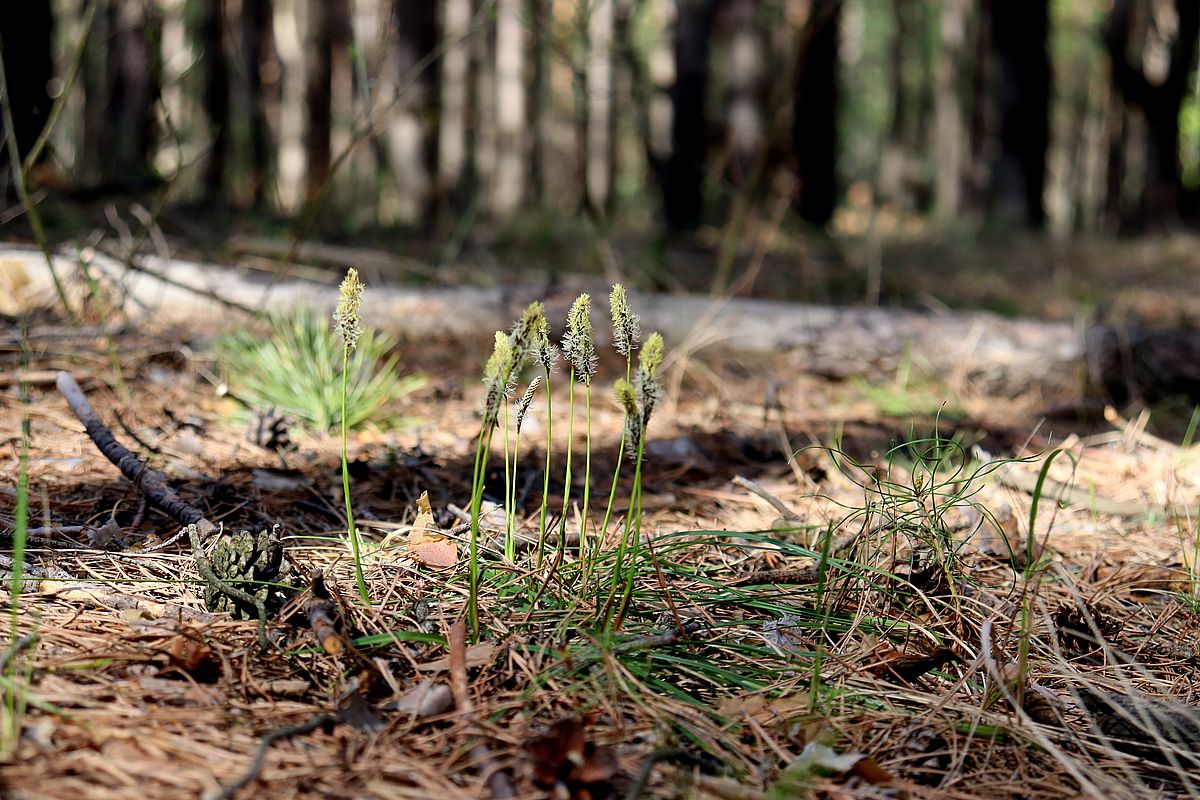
[(626, 335), (510, 500), (638, 399), (510, 353), (545, 354), (579, 348), (347, 320)]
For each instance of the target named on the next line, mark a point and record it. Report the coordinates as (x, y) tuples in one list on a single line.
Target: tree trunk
[(259, 68), (745, 92), (455, 94), (26, 33), (288, 25), (481, 146), (814, 119), (683, 187), (406, 98), (121, 81), (893, 163), (598, 170), (1158, 94), (539, 107), (1019, 34), (509, 184), (318, 108), (948, 125), (210, 36)]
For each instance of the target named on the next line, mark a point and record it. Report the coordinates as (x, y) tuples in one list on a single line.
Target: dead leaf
[(907, 667), (190, 653), (437, 553), (566, 762), (765, 710), (426, 543), (426, 699)]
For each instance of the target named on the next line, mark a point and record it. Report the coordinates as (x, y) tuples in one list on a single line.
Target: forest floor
[(836, 597)]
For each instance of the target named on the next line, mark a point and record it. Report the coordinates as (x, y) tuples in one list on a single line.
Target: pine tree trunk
[(455, 95), (1019, 33), (26, 31), (948, 125), (599, 160), (121, 82), (684, 173), (745, 97), (1159, 98), (210, 35), (814, 120), (259, 99), (288, 28), (508, 186), (410, 132), (318, 107)]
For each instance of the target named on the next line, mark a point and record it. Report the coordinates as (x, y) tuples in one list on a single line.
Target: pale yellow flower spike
[(348, 316)]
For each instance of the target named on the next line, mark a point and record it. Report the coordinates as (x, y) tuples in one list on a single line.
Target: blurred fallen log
[(993, 353)]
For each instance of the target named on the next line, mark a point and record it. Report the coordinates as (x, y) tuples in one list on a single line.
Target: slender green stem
[(546, 474), (562, 523), (587, 482), (482, 447), (635, 514), (510, 494), (351, 530), (612, 492)]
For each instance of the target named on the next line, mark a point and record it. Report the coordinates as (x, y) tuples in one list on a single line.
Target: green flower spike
[(526, 400), (347, 318), (498, 374), (627, 330), (649, 389), (633, 419), (578, 346)]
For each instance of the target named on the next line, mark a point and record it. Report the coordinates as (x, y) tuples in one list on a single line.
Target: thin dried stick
[(264, 744), (150, 482), (497, 778)]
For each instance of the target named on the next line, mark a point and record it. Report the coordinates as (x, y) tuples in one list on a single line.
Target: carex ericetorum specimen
[(347, 320), (528, 344)]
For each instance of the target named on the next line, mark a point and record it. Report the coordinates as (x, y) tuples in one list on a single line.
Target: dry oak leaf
[(426, 543)]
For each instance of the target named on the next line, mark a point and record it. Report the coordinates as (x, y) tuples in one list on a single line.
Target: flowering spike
[(498, 374), (627, 331), (577, 344), (527, 329), (633, 419), (347, 318), (543, 351), (649, 389), (526, 399)]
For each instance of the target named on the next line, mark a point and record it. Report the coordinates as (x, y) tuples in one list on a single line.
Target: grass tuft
[(297, 369)]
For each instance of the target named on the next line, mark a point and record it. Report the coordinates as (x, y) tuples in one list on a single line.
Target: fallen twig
[(497, 778), (150, 482), (784, 510), (264, 744)]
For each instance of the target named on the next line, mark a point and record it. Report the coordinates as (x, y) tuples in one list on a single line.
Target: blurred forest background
[(428, 125)]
